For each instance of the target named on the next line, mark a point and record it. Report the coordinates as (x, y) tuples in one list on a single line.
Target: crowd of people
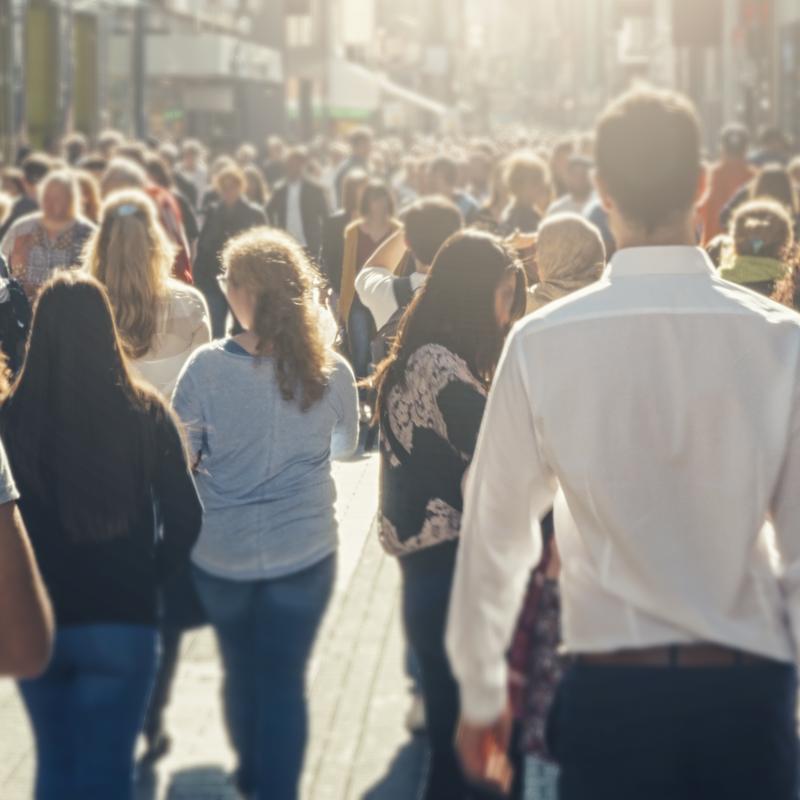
[(579, 355)]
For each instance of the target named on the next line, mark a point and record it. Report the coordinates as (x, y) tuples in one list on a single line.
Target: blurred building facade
[(232, 70)]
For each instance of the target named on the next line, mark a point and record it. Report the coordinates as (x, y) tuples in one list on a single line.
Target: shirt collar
[(675, 260)]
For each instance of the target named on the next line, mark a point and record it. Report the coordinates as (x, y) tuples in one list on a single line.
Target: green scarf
[(753, 269)]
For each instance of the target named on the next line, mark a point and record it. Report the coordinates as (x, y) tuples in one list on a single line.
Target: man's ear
[(602, 192), (701, 192)]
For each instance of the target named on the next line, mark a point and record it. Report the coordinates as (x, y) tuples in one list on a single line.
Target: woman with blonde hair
[(161, 320), (38, 244), (266, 411)]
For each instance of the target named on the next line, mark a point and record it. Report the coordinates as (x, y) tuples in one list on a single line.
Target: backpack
[(15, 321), (382, 343)]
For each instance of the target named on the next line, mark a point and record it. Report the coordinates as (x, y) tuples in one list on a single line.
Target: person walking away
[(229, 217), (761, 247), (360, 141), (266, 411), (638, 404), (127, 171), (362, 237), (725, 178), (161, 321), (570, 255), (579, 188), (528, 183), (298, 206), (443, 180), (427, 225), (431, 395), (37, 245), (98, 459), (34, 170), (332, 254)]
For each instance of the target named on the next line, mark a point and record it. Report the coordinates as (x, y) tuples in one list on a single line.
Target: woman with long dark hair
[(431, 397), (98, 459), (266, 411)]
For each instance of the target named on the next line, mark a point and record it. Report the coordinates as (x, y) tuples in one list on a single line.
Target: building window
[(299, 31)]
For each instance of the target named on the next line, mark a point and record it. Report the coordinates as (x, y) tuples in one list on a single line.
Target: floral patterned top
[(429, 428), (33, 255)]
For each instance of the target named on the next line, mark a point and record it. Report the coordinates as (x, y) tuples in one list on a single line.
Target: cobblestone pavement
[(358, 746)]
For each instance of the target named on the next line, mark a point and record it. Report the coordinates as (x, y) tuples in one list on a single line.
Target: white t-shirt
[(294, 216), (375, 289)]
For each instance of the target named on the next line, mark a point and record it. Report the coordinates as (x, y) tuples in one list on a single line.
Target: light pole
[(139, 68)]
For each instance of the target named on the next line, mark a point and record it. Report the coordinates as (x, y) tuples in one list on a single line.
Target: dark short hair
[(375, 190), (359, 136), (93, 163), (648, 155), (446, 167), (429, 223), (35, 167)]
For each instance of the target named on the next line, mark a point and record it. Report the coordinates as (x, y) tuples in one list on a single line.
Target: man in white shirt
[(660, 408), (427, 225)]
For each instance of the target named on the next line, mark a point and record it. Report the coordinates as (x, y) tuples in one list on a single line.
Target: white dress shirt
[(294, 214), (662, 406), (375, 289)]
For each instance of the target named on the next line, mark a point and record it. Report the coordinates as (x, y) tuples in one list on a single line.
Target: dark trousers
[(630, 733), (427, 579)]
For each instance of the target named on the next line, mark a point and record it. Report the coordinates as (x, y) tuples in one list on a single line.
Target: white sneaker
[(415, 718)]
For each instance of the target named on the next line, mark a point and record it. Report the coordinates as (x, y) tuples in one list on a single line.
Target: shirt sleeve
[(344, 397), (375, 289), (509, 487), (180, 511), (786, 520), (186, 400), (8, 489)]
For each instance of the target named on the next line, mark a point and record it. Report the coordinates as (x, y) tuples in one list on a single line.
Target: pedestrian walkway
[(358, 747)]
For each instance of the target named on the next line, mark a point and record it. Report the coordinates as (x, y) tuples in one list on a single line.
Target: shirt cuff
[(481, 705)]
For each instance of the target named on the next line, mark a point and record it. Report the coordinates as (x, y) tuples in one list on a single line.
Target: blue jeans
[(266, 630), (360, 333), (87, 710)]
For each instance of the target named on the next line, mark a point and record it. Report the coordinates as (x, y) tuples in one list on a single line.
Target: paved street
[(358, 692)]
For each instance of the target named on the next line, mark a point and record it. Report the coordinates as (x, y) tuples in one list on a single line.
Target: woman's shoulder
[(340, 369), (185, 300), (433, 366)]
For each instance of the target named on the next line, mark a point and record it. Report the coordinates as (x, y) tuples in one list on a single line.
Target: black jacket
[(332, 254), (221, 224), (313, 210)]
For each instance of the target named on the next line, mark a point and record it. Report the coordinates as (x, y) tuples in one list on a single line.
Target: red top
[(724, 180)]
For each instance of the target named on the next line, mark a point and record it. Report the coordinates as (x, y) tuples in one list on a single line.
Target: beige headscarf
[(570, 255)]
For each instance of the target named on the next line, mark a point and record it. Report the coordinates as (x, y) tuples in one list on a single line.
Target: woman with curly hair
[(762, 249), (266, 411)]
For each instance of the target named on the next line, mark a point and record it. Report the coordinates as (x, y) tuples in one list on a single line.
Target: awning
[(413, 98), (355, 90)]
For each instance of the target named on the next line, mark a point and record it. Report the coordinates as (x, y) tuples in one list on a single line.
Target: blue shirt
[(265, 471)]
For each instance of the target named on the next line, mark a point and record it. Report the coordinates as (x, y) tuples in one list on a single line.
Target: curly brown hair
[(274, 268)]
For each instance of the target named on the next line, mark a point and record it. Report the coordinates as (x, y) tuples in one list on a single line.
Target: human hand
[(483, 752)]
